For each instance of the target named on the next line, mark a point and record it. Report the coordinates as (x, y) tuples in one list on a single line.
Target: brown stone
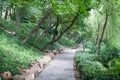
[(52, 55), (24, 71), (6, 75), (35, 68), (19, 77)]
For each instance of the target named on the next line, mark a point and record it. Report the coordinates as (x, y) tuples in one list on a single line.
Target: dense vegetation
[(14, 53), (106, 68), (39, 25)]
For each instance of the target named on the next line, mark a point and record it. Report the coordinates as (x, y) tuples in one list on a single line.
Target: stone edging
[(35, 68), (78, 75)]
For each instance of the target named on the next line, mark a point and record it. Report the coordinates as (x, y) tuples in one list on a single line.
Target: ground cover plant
[(106, 68), (14, 56)]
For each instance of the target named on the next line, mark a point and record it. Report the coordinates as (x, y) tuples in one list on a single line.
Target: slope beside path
[(61, 68)]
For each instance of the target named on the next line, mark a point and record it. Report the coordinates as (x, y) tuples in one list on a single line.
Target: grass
[(24, 30), (14, 55)]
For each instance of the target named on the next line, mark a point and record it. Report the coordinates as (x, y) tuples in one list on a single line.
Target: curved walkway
[(61, 68)]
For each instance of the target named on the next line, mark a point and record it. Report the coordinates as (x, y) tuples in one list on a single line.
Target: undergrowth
[(106, 68), (14, 55), (26, 28)]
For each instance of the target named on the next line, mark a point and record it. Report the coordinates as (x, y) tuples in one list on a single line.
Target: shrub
[(114, 69), (108, 52), (92, 47), (89, 67), (66, 42)]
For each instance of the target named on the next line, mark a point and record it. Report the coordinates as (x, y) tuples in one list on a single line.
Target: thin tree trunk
[(106, 39), (110, 32), (104, 27), (42, 20), (1, 11), (98, 32), (34, 30), (45, 32), (36, 34), (62, 33), (56, 27), (6, 14), (79, 40), (18, 17), (72, 35), (1, 14)]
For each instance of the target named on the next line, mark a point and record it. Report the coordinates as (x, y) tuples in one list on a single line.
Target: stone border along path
[(61, 68)]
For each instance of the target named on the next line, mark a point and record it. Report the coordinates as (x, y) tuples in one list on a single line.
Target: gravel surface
[(61, 68)]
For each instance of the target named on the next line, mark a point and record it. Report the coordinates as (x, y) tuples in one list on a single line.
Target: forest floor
[(61, 68)]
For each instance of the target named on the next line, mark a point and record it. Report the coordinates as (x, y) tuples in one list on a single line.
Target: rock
[(19, 77), (35, 68), (6, 75), (52, 55), (24, 71), (46, 59), (56, 52), (24, 77)]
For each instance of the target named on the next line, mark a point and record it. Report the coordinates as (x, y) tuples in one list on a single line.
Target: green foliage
[(108, 52), (24, 30), (21, 32), (88, 65), (58, 45), (92, 47), (14, 56), (114, 69), (67, 42), (108, 68)]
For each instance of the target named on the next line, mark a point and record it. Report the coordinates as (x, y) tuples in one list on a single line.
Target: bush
[(92, 47), (114, 69), (88, 65), (66, 42), (106, 68), (109, 52)]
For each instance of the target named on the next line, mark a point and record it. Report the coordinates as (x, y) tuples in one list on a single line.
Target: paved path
[(61, 68)]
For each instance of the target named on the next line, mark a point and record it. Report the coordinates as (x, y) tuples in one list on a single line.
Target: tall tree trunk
[(35, 37), (62, 32), (104, 27), (106, 38), (72, 35), (1, 9), (42, 20), (56, 27), (45, 32), (34, 30), (98, 30), (18, 17), (6, 14), (110, 33), (79, 40), (1, 14)]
